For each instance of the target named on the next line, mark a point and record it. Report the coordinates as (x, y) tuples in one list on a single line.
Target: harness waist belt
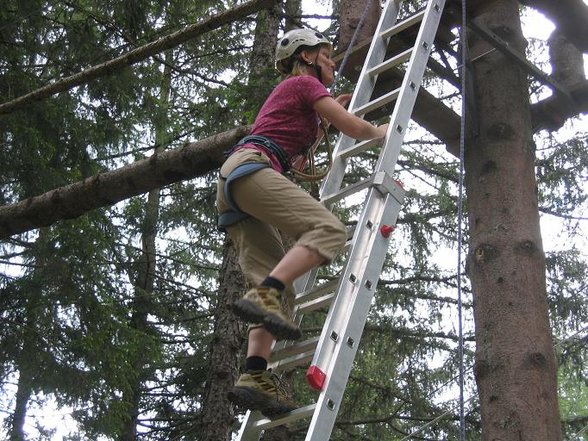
[(269, 145)]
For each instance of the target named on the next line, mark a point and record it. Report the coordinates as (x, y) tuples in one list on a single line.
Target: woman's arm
[(346, 122)]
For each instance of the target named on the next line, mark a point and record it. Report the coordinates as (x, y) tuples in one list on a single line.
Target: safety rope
[(462, 134), (313, 175)]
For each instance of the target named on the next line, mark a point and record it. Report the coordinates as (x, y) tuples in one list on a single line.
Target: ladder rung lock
[(390, 63), (315, 377), (405, 24), (377, 103), (385, 184)]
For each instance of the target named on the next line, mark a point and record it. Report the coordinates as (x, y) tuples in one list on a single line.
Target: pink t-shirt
[(288, 117)]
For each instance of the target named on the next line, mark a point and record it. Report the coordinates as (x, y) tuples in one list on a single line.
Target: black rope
[(464, 57)]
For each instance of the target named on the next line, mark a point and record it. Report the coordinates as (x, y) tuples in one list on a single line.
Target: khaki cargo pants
[(274, 204)]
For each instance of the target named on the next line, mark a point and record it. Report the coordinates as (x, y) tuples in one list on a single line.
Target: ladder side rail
[(361, 94), (330, 355), (339, 355), (367, 236), (410, 86)]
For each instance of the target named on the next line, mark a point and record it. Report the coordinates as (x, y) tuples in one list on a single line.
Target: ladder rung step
[(295, 349), (297, 414), (391, 62), (347, 191), (316, 292), (357, 148), (287, 364), (404, 24), (377, 103), (313, 305)]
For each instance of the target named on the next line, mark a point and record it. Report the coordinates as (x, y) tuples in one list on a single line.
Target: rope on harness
[(314, 175)]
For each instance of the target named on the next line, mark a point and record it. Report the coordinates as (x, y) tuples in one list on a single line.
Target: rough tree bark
[(217, 416), (515, 363), (351, 14)]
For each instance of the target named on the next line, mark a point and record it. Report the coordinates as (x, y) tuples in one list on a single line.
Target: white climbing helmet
[(292, 40)]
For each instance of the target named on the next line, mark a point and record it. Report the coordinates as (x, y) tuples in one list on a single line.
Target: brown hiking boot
[(259, 390), (262, 305)]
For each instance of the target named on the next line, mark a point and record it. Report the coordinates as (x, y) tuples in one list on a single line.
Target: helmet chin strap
[(316, 67)]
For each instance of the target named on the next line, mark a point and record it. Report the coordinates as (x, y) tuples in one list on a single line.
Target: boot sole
[(249, 398), (279, 328)]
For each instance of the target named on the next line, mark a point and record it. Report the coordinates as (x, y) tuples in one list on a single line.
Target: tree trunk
[(146, 267), (217, 414), (515, 366), (23, 395), (567, 62), (293, 11), (569, 16)]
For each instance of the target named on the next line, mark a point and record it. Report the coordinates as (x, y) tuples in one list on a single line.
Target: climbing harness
[(234, 214)]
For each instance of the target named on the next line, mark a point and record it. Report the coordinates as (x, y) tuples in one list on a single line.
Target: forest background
[(117, 319)]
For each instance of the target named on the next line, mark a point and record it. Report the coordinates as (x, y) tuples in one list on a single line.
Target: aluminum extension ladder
[(350, 296)]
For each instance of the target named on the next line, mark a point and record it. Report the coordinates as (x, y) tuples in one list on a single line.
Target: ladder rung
[(295, 415), (316, 292), (315, 304), (402, 25), (357, 148), (295, 349), (377, 103), (287, 364), (347, 191), (391, 62)]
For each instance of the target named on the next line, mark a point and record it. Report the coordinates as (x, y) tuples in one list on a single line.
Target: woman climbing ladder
[(256, 201)]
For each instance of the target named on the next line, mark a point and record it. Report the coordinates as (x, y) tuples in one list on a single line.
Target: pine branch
[(136, 55)]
